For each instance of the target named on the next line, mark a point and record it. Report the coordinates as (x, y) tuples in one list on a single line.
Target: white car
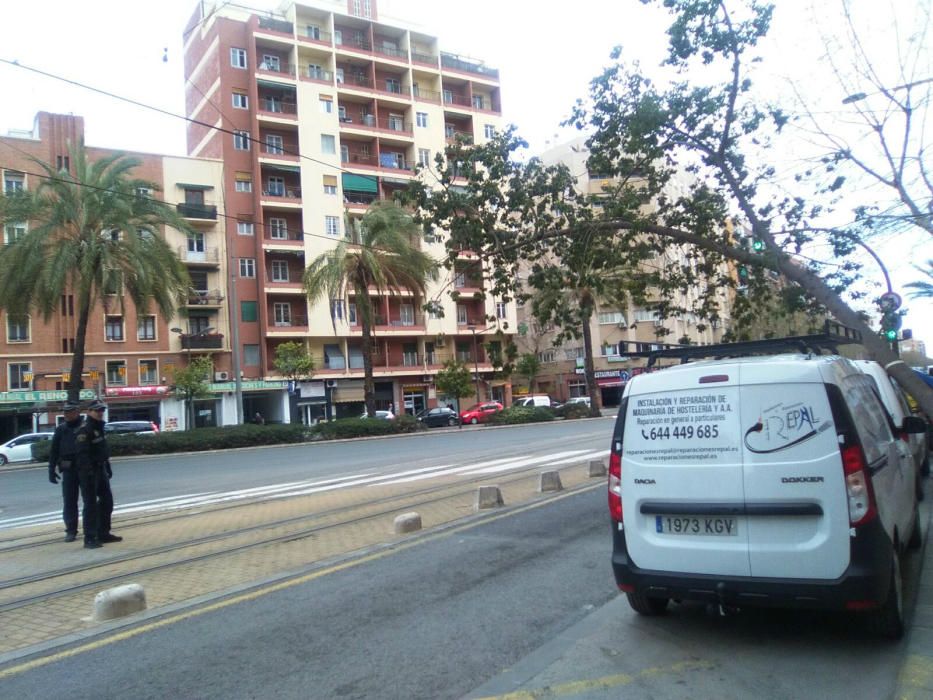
[(762, 481), (579, 399), (380, 415), (19, 449)]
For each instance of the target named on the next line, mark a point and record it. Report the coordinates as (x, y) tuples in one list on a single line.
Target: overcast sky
[(547, 51)]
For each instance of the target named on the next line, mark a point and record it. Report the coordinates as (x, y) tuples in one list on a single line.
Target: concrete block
[(488, 497), (597, 467), (119, 602), (407, 522), (549, 481)]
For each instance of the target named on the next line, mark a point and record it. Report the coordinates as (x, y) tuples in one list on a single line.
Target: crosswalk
[(312, 486)]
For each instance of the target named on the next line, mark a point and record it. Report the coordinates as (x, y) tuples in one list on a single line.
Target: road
[(164, 482)]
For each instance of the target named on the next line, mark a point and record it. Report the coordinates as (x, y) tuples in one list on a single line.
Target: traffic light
[(743, 272), (890, 324), (758, 245)]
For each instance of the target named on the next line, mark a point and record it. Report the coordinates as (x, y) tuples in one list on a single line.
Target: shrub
[(522, 414), (365, 427), (573, 410)]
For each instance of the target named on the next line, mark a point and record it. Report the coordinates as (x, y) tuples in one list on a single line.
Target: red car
[(480, 413)]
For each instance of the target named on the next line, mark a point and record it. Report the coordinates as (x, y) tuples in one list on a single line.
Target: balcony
[(424, 59), (277, 108), (454, 63), (452, 98), (284, 192), (423, 95), (318, 75), (386, 124), (289, 238), (199, 341), (292, 324), (353, 44), (277, 25), (208, 256), (283, 69), (197, 211), (205, 297), (355, 80), (315, 35), (455, 135)]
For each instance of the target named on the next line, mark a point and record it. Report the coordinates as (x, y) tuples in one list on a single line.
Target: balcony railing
[(359, 158), (197, 211), (452, 98), (391, 52), (426, 95), (387, 123), (355, 45), (398, 322), (280, 68), (454, 63), (277, 234), (315, 34), (359, 198), (424, 58), (292, 322), (455, 135), (276, 25), (267, 104), (315, 73), (355, 80), (209, 297), (198, 341), (290, 192), (208, 255)]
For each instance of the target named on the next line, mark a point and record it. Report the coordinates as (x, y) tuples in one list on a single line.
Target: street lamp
[(189, 336)]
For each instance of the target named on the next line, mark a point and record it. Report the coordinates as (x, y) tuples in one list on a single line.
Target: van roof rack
[(833, 335)]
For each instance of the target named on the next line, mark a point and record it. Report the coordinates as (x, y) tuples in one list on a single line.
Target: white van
[(761, 481), (892, 396), (535, 400)]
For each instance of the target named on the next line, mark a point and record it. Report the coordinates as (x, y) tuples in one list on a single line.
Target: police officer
[(62, 458), (94, 457)]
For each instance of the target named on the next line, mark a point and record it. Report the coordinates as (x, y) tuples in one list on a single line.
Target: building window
[(279, 271), (313, 32), (274, 144), (479, 102), (251, 355), (244, 182), (461, 315), (113, 328), (249, 311), (393, 85), (275, 186), (278, 229), (148, 372), (238, 58), (17, 329), (615, 318), (247, 267), (271, 62), (330, 184), (328, 144), (20, 375), (240, 100), (241, 140), (421, 118), (116, 372), (351, 314), (424, 157), (13, 181), (146, 328), (331, 225), (13, 232), (500, 310), (282, 313), (489, 130), (547, 356), (245, 228), (327, 104)]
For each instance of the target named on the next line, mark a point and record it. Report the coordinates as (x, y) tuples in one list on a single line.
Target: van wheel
[(916, 535), (888, 620), (647, 605)]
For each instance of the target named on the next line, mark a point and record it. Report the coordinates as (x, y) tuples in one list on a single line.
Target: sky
[(547, 51)]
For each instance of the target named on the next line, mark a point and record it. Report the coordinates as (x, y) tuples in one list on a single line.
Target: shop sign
[(41, 396), (620, 374), (122, 391), (249, 386)]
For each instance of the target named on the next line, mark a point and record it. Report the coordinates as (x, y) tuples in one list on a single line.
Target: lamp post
[(189, 398)]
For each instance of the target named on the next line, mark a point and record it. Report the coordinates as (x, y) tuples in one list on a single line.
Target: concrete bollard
[(597, 467), (549, 481), (407, 522), (119, 602), (488, 497)]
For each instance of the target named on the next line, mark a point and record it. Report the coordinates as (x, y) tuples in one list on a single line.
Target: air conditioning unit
[(221, 376), (331, 383), (439, 342)]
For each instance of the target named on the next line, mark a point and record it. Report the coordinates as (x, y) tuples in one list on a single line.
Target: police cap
[(71, 406), (97, 405)]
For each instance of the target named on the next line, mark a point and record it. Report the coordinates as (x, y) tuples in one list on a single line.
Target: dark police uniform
[(94, 469), (63, 457)]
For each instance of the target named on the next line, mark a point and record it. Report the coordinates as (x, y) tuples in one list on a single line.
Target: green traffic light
[(890, 334), (758, 245)]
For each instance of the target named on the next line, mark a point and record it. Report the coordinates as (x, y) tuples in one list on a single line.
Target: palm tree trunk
[(591, 388), (77, 360), (369, 389)]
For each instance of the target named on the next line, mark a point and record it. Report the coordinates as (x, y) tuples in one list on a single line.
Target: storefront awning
[(611, 381), (359, 183)]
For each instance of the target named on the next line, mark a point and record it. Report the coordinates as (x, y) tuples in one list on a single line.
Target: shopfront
[(136, 403), (610, 382)]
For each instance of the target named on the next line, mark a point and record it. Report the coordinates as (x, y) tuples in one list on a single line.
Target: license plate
[(689, 525)]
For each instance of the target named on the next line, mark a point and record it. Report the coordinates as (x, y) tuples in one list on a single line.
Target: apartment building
[(130, 353), (317, 111), (618, 333)]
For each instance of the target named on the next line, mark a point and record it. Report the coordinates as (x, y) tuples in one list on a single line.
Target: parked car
[(773, 481), (380, 415), (578, 399), (892, 396), (542, 400), (436, 417), (19, 449), (481, 412), (141, 427)]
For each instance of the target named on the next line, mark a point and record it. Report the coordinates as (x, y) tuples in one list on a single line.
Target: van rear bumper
[(866, 579)]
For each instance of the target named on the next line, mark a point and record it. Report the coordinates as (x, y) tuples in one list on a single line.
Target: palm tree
[(382, 256), (922, 289), (91, 234)]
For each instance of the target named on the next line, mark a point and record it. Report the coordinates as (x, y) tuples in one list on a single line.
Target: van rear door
[(798, 517), (683, 495)]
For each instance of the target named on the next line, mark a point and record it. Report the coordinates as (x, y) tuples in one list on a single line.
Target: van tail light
[(858, 486), (615, 486)]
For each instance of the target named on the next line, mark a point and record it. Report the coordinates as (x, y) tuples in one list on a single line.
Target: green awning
[(189, 186), (359, 183)]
